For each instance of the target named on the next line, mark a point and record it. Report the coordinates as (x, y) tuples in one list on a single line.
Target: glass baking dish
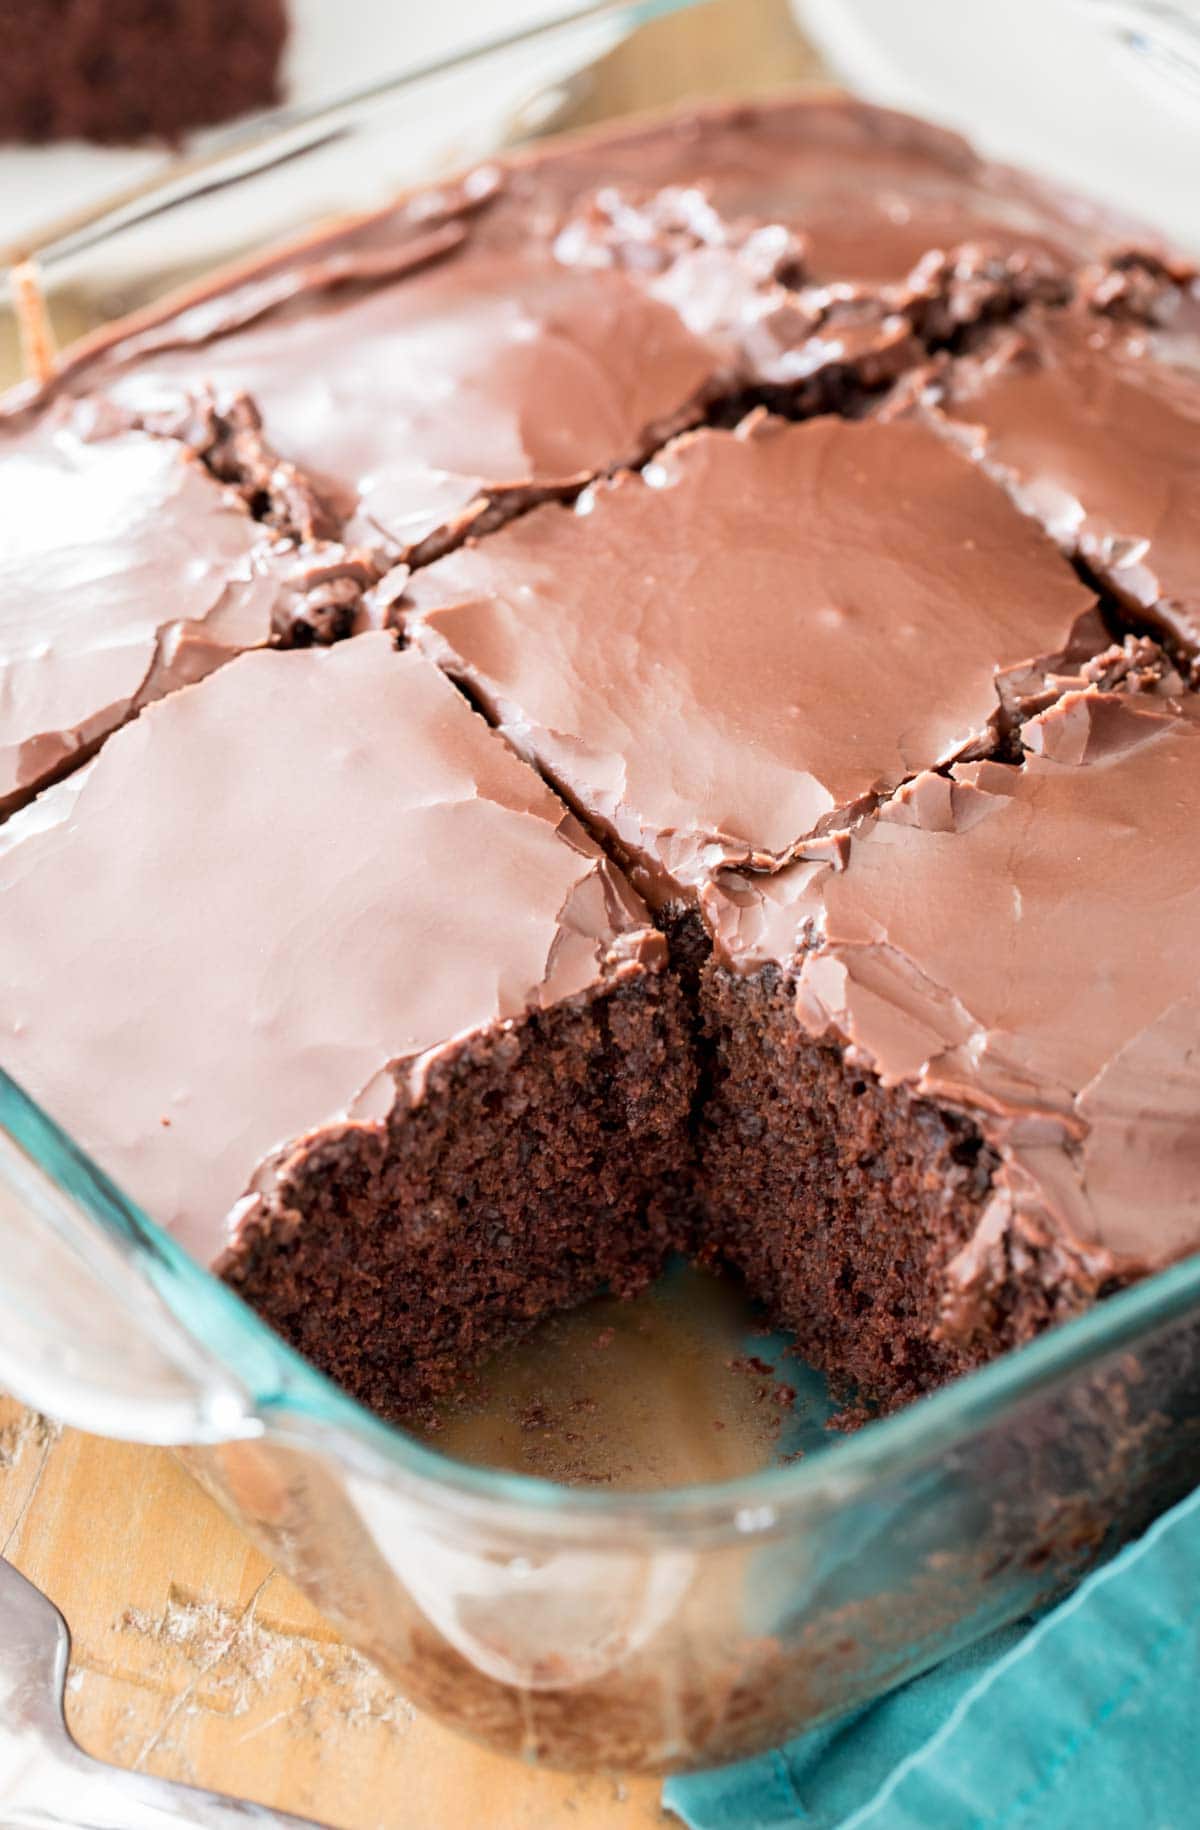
[(579, 1627)]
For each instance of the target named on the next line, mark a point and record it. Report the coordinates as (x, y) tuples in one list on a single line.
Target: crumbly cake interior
[(869, 1192), (528, 1176), (573, 1151)]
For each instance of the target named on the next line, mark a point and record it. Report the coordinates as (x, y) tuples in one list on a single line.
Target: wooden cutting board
[(193, 1658)]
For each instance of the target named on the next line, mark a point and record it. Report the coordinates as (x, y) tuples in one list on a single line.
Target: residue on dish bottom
[(679, 1385)]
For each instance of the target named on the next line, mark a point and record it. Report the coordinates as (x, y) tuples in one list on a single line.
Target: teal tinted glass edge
[(282, 1385)]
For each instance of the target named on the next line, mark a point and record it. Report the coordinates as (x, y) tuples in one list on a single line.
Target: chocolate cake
[(959, 1070), (128, 568), (870, 193), (124, 70), (422, 1016), (740, 650), (822, 903), (488, 343), (1092, 423), (434, 387)]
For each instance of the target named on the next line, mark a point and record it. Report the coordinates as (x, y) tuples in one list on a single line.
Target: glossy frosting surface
[(124, 571), (1094, 426), (399, 879), (549, 317), (274, 888), (1024, 942), (871, 191), (483, 373), (740, 649)]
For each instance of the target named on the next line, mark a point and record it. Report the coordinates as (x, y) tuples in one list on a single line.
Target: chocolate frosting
[(727, 663), (742, 648), (741, 285), (554, 317), (401, 881), (870, 191), (125, 571), (804, 236), (1093, 425), (419, 407), (1023, 943)]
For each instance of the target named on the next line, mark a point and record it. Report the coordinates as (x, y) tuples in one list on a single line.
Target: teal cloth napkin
[(1088, 1720)]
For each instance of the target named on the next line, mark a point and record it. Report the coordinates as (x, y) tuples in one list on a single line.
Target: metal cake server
[(46, 1782)]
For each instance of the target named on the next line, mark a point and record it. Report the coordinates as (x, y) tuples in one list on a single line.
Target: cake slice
[(821, 240), (425, 385), (1092, 422), (958, 1086), (734, 655), (332, 985), (800, 658), (127, 569)]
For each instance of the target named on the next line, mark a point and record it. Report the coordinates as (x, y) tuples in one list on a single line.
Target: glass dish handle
[(85, 1334)]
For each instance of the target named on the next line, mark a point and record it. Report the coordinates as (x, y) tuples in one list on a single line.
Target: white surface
[(1044, 83), (335, 45)]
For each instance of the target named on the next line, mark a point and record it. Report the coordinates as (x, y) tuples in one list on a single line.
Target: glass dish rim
[(227, 155), (288, 1396)]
